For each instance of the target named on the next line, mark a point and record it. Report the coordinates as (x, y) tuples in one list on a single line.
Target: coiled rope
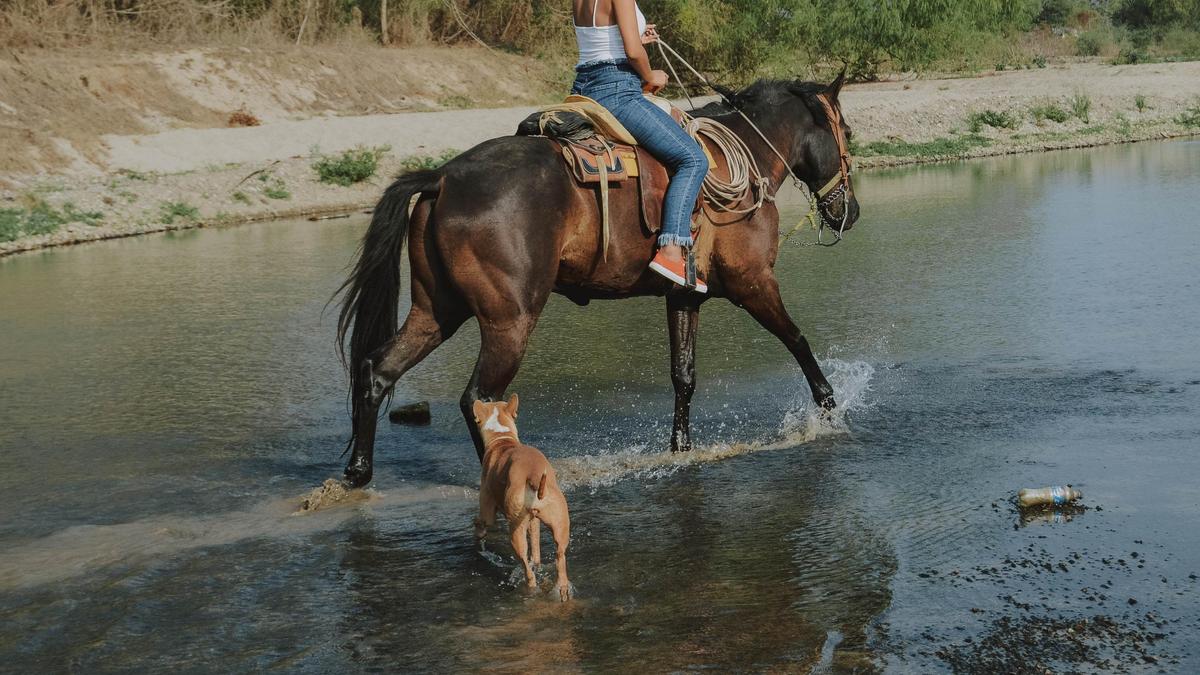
[(745, 179)]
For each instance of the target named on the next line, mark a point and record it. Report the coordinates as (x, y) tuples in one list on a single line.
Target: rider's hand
[(651, 35), (658, 80)]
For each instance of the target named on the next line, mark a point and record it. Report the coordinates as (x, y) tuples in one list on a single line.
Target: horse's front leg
[(760, 297), (683, 318)]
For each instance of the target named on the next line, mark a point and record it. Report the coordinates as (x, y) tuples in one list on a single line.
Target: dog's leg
[(520, 542), (487, 514), (561, 529), (535, 540)]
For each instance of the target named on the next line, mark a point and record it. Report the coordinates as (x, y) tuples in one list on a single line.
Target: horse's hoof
[(564, 592), (356, 476), (827, 403)]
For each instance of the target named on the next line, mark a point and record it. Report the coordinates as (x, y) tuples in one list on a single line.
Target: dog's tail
[(541, 486)]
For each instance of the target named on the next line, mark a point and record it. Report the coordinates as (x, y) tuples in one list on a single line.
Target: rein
[(837, 187)]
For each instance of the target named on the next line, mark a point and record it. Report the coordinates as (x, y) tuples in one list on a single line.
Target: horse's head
[(809, 114), (821, 152)]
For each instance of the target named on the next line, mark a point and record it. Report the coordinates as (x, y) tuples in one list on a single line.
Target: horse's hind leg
[(760, 297), (501, 348), (422, 332)]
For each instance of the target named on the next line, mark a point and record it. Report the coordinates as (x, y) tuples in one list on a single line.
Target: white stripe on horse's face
[(493, 423)]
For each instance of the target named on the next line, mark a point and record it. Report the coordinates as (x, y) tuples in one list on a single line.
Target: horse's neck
[(768, 162)]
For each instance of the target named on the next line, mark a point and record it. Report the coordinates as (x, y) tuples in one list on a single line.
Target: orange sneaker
[(676, 270)]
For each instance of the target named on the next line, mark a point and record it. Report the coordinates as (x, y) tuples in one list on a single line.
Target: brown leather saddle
[(594, 151)]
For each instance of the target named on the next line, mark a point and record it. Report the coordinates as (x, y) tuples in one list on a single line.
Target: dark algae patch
[(1039, 645)]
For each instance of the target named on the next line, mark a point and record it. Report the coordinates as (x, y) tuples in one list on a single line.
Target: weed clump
[(427, 162), (350, 167), (1190, 117), (976, 121), (1081, 106), (1049, 111), (243, 118), (170, 211), (40, 217)]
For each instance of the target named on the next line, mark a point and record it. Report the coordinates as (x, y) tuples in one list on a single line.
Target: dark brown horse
[(498, 229)]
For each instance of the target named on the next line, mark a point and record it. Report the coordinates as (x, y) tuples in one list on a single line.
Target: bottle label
[(1058, 494)]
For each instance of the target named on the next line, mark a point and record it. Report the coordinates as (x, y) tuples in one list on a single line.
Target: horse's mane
[(762, 94)]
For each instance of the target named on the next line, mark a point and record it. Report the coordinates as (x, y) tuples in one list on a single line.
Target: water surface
[(1007, 323)]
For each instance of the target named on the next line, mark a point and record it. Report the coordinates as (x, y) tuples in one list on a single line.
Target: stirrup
[(689, 267)]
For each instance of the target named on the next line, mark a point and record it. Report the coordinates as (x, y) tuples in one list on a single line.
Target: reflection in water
[(988, 325)]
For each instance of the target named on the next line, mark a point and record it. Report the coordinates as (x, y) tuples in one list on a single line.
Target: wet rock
[(331, 492), (412, 414)]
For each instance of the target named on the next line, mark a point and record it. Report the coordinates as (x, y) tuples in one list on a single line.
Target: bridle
[(838, 187)]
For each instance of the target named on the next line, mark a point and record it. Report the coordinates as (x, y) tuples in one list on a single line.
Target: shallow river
[(165, 401)]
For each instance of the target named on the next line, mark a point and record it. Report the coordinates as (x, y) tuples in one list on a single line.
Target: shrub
[(352, 166), (1139, 102), (1190, 117), (991, 118), (1129, 56), (1081, 106), (1091, 43)]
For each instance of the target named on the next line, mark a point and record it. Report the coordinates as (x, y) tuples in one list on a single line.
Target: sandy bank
[(141, 182)]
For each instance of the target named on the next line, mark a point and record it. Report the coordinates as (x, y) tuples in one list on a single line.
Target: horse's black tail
[(370, 297)]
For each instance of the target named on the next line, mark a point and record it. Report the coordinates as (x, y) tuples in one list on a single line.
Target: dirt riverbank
[(142, 143)]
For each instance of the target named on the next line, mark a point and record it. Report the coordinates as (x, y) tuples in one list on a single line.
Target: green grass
[(350, 167), (1048, 111), (1081, 106), (427, 162), (1139, 102), (273, 186), (42, 218), (1122, 125), (1190, 117), (939, 147), (170, 211), (241, 197), (976, 121)]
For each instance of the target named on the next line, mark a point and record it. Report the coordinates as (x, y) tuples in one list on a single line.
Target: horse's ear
[(730, 95), (512, 405), (478, 410), (835, 87)]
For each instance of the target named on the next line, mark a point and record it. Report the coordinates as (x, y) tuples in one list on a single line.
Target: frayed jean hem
[(668, 239)]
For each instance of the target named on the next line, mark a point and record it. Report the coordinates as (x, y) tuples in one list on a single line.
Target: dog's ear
[(513, 401), (478, 410)]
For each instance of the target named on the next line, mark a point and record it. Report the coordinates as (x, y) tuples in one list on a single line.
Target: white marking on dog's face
[(493, 423)]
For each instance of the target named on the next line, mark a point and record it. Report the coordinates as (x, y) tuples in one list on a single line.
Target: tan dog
[(520, 480)]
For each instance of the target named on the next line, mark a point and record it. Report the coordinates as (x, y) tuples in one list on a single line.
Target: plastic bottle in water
[(1049, 496)]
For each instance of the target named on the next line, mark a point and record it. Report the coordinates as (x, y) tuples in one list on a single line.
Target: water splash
[(80, 550), (804, 423)]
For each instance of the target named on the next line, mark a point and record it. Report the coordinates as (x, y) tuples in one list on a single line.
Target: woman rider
[(613, 70)]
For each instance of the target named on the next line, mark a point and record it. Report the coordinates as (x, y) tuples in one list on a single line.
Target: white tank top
[(603, 43)]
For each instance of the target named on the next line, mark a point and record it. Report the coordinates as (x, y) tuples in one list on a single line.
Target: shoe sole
[(701, 287)]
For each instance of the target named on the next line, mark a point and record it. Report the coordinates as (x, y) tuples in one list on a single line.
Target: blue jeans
[(617, 87)]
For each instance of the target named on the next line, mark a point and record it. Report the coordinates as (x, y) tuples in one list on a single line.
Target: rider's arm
[(627, 21)]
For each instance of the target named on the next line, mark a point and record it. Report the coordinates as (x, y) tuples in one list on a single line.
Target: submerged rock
[(415, 414)]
